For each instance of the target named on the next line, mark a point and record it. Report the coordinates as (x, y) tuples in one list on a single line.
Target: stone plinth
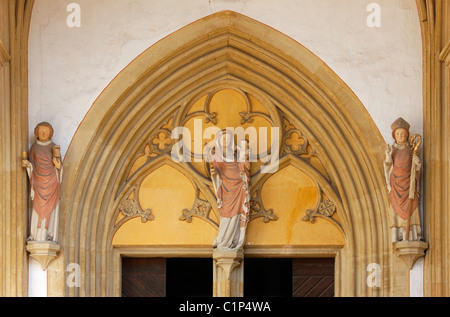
[(43, 251), (228, 273), (410, 251)]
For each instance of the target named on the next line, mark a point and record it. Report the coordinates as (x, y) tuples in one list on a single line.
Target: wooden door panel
[(313, 277), (143, 277)]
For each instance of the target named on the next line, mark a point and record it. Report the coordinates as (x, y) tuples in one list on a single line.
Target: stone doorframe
[(230, 48), (236, 284)]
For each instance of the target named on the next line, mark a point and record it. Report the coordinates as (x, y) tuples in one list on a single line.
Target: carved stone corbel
[(43, 252), (410, 251)]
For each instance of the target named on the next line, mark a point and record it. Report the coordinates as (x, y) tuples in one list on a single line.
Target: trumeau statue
[(44, 170), (402, 169), (230, 174)]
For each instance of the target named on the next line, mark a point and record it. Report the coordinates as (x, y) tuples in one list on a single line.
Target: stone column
[(14, 24), (434, 17), (228, 273)]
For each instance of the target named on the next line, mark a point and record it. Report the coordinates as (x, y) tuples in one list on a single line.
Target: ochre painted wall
[(289, 192), (166, 192)]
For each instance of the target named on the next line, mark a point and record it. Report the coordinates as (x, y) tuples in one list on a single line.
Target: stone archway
[(225, 48)]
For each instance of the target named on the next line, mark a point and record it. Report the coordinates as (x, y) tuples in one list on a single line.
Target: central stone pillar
[(228, 271)]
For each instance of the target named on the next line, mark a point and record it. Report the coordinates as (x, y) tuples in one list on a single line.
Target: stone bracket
[(43, 251), (410, 251)]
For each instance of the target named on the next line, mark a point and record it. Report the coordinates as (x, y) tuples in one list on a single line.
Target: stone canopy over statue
[(44, 170), (230, 174), (402, 169)]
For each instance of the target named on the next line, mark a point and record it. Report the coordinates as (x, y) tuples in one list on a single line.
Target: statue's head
[(400, 131), (225, 138), (43, 131), (225, 143)]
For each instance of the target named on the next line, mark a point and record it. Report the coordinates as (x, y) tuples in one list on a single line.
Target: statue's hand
[(212, 171), (57, 163), (26, 163), (388, 153), (416, 161)]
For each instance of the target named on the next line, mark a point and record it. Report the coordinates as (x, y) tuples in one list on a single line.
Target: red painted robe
[(400, 182), (44, 181), (232, 192)]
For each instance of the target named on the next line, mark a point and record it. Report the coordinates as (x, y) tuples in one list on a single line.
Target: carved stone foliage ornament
[(130, 208), (325, 208), (257, 210), (201, 209)]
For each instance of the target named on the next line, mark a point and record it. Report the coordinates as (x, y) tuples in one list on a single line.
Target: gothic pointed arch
[(226, 49)]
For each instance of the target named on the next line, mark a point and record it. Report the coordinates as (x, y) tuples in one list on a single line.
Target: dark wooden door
[(189, 277), (143, 277), (161, 277), (267, 277), (313, 277)]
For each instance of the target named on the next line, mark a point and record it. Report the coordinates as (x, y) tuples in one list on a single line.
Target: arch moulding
[(230, 50)]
